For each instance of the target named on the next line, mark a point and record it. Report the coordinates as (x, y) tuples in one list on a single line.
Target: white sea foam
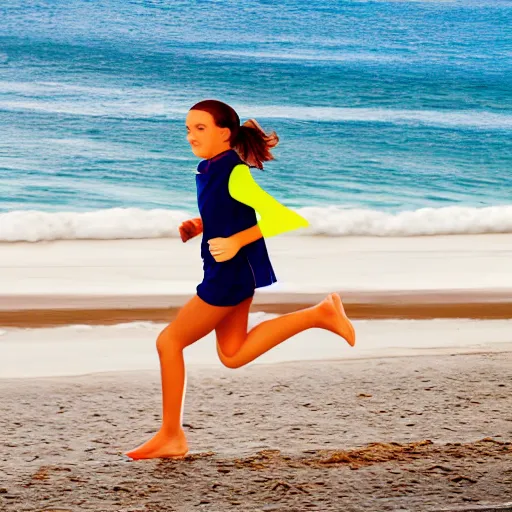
[(451, 220), (314, 56), (109, 224), (127, 223)]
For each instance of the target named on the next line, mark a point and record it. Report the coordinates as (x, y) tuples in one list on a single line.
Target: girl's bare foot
[(161, 445), (332, 317)]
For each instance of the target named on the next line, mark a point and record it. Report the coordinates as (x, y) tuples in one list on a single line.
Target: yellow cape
[(275, 218)]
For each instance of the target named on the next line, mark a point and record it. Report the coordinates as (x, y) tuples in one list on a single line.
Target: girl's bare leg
[(194, 321), (236, 347)]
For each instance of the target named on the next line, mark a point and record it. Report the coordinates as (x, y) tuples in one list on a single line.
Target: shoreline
[(112, 281), (31, 312)]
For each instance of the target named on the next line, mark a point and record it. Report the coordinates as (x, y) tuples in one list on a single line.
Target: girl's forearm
[(247, 236)]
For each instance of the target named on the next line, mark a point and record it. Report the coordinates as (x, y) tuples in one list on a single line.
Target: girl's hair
[(248, 140)]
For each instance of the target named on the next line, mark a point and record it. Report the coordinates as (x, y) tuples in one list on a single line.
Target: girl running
[(235, 263)]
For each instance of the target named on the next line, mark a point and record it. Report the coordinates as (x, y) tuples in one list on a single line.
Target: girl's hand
[(223, 249), (191, 228)]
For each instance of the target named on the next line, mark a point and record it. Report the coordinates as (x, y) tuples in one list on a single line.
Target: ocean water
[(394, 117)]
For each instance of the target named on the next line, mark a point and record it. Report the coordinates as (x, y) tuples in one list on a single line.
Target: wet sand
[(411, 433), (477, 305)]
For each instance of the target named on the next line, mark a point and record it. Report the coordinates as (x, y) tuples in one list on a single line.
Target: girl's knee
[(161, 343), (228, 362), (166, 341)]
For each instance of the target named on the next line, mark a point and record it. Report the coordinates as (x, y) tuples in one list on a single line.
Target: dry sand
[(414, 433)]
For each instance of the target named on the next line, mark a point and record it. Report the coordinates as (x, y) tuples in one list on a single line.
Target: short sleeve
[(275, 218)]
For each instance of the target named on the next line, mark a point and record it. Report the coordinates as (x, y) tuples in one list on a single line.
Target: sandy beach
[(415, 417), (425, 433)]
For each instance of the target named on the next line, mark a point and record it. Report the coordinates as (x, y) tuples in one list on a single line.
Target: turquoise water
[(387, 106)]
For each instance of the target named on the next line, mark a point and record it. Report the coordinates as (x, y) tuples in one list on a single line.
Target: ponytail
[(253, 144)]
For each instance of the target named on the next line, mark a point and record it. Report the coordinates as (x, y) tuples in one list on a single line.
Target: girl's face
[(204, 136)]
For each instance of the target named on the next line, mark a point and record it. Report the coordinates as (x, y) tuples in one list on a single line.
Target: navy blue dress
[(228, 283)]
